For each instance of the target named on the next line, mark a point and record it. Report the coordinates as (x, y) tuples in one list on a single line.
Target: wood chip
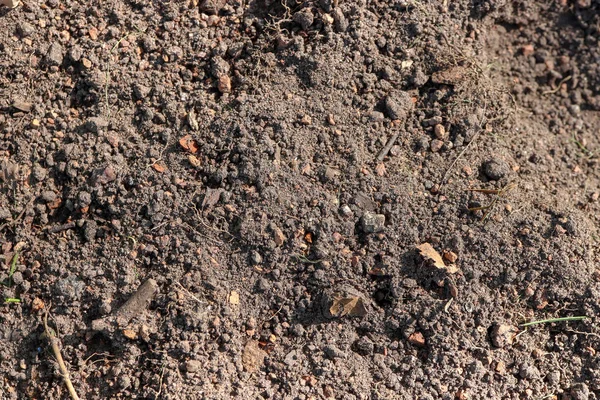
[(159, 167), (417, 339), (130, 334), (234, 298), (189, 144)]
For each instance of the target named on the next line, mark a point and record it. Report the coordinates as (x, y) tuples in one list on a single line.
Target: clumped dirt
[(272, 167)]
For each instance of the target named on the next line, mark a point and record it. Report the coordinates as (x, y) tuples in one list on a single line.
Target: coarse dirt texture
[(272, 166)]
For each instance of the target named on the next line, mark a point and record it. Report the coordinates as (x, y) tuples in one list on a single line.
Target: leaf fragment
[(431, 255)]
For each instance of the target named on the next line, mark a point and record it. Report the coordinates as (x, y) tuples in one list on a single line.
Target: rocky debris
[(364, 346), (255, 258), (224, 84), (21, 105), (340, 22), (55, 55), (334, 352), (304, 18), (436, 145), (48, 196), (212, 6), (528, 371), (417, 339), (193, 366), (10, 3), (503, 335), (219, 67), (580, 391), (496, 169), (398, 105), (96, 124), (372, 223), (140, 91), (440, 132), (278, 235)]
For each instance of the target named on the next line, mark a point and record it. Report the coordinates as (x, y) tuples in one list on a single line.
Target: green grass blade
[(549, 321)]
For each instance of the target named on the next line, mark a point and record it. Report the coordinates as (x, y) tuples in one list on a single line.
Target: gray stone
[(398, 105), (48, 196), (96, 124), (372, 223), (193, 366), (334, 352), (340, 21), (496, 169), (55, 55), (25, 29), (304, 18), (580, 391), (219, 67)]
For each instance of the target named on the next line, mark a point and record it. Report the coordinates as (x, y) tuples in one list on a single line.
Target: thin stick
[(386, 149), (548, 321), (557, 88), (14, 221), (162, 372), (61, 363)]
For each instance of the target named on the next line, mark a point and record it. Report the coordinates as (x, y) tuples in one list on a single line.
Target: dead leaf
[(450, 76), (159, 167), (37, 304), (21, 105), (380, 169), (211, 198), (352, 306), (308, 237), (234, 298), (189, 144), (130, 334), (253, 356), (192, 121), (194, 161), (430, 254)]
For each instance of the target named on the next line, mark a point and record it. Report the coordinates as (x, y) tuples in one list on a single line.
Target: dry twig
[(54, 342)]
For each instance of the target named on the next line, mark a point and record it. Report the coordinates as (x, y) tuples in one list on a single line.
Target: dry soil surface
[(353, 199)]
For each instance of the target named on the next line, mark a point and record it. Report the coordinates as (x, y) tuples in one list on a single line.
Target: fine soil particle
[(270, 167)]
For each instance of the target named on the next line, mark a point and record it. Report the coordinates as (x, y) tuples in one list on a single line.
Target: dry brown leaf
[(159, 167), (37, 304), (253, 356), (189, 144), (450, 76), (352, 306), (430, 254), (194, 161), (130, 334), (380, 169)]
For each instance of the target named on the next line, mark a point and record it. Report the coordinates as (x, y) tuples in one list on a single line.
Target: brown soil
[(273, 167)]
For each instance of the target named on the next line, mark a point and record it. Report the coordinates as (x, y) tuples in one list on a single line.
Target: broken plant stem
[(551, 320), (497, 192), (51, 336)]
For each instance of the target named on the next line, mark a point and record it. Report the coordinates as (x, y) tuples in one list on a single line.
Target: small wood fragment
[(384, 152), (133, 307)]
